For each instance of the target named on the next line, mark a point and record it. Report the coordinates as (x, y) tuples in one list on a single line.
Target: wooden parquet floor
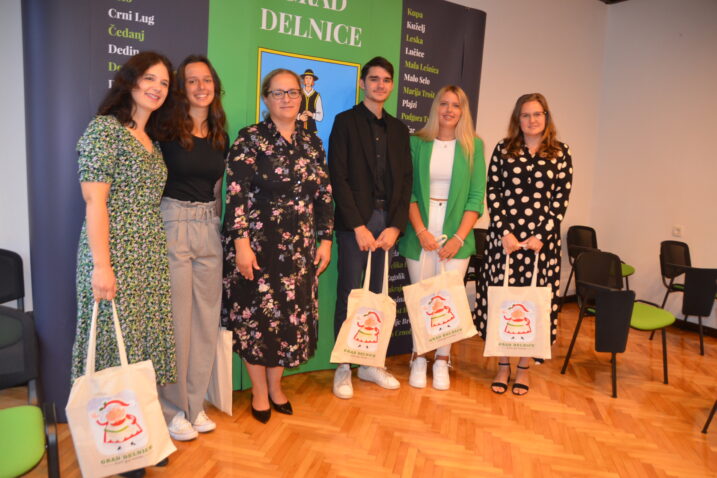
[(568, 425)]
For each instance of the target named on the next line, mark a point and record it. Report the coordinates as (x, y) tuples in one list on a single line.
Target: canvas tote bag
[(364, 335), (114, 414), (518, 318), (220, 390), (438, 309)]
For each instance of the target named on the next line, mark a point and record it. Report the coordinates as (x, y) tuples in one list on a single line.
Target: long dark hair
[(118, 101), (514, 142), (179, 125)]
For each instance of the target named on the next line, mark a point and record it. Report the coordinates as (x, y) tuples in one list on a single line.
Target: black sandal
[(520, 386), (502, 385), (539, 361)]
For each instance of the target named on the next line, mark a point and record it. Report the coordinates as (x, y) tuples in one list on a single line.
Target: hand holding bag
[(364, 335), (114, 414), (518, 318), (438, 309), (220, 390)]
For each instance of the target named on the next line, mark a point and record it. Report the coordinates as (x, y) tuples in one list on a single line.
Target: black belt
[(380, 204)]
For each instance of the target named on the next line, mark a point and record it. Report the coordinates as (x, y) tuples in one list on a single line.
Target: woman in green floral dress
[(122, 252)]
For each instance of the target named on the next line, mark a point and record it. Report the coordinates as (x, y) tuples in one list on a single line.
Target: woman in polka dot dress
[(529, 181)]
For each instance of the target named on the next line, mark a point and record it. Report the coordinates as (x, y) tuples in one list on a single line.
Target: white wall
[(14, 224), (656, 164), (554, 47)]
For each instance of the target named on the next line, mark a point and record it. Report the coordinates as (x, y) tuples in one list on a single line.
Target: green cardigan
[(466, 194)]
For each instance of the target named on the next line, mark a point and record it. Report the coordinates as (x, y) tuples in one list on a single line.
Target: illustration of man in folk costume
[(439, 314), (369, 329), (312, 110), (517, 322), (119, 426)]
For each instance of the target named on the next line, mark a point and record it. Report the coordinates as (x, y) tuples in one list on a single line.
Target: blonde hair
[(465, 130)]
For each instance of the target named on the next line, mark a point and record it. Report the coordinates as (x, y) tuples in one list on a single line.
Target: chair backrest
[(18, 348), (613, 310), (580, 239), (700, 290), (596, 268), (481, 237), (12, 281), (673, 253)]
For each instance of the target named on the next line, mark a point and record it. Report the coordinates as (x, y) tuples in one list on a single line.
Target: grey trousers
[(195, 266)]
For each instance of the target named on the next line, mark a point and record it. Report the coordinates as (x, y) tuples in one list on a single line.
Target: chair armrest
[(648, 303)]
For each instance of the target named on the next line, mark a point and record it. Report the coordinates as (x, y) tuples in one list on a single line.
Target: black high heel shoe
[(284, 408), (138, 473), (520, 386), (260, 415), (502, 385)]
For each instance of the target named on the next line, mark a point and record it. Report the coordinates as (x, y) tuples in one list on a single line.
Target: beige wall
[(14, 225), (655, 166)]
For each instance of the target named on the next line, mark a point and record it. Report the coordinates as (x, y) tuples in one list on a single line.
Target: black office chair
[(579, 239), (596, 271), (29, 430), (699, 296), (12, 282), (612, 324), (475, 263), (674, 257)]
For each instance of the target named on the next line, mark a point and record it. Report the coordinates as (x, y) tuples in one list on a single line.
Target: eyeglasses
[(279, 94), (536, 115)]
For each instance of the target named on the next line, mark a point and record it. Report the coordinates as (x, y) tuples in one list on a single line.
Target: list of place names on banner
[(441, 43), (123, 28)]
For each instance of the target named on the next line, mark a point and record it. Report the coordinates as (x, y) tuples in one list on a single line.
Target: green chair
[(28, 430), (596, 271)]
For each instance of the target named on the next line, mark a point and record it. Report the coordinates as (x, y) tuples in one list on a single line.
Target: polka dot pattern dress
[(527, 196)]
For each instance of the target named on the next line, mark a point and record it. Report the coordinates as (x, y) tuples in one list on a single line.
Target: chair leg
[(709, 419), (572, 342), (652, 334), (567, 286), (702, 340), (53, 457), (664, 300), (664, 353), (614, 375)]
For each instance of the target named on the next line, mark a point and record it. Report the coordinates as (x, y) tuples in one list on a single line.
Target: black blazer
[(351, 164)]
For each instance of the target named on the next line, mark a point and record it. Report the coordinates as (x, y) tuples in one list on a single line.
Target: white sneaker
[(342, 382), (418, 372), (203, 423), (379, 376), (441, 380), (180, 429)]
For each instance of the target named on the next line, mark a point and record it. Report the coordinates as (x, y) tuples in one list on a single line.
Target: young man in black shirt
[(371, 174)]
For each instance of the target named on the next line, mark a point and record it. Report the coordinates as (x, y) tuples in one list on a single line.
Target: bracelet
[(420, 232), (459, 239)]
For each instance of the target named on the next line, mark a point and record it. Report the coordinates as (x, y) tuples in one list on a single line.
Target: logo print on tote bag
[(117, 423), (518, 324), (438, 312), (366, 330)]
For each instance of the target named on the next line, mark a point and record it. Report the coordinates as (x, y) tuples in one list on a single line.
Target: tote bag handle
[(367, 275), (442, 264), (534, 279), (91, 348)]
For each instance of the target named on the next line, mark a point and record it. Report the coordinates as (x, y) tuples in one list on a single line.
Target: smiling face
[(449, 111), (151, 89), (532, 119), (377, 86), (283, 109), (308, 81), (199, 85)]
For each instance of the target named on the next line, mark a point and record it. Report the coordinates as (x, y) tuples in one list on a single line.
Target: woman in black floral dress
[(529, 181), (279, 205)]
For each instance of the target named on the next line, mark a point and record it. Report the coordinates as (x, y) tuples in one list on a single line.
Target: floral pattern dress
[(278, 195), (138, 253), (526, 196)]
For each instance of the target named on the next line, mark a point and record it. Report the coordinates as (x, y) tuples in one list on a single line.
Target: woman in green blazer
[(447, 199)]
